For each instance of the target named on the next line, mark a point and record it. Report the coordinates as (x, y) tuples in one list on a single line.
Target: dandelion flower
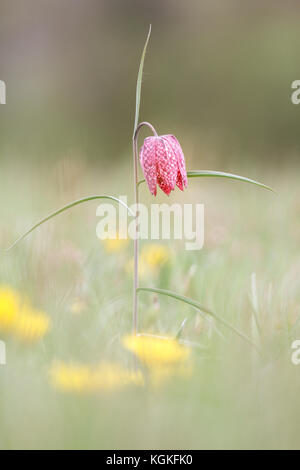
[(19, 319), (155, 255), (70, 378), (9, 306), (153, 351), (115, 245), (30, 325), (164, 357), (110, 376), (78, 378)]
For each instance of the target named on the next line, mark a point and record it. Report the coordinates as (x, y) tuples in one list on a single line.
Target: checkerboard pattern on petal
[(162, 161)]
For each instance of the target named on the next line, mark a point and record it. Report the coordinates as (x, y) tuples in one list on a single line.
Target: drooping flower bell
[(162, 161)]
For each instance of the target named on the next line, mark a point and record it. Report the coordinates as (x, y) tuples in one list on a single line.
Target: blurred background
[(218, 75)]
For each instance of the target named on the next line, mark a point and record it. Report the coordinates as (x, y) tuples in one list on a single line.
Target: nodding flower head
[(162, 161)]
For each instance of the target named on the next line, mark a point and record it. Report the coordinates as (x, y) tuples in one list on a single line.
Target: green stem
[(136, 240)]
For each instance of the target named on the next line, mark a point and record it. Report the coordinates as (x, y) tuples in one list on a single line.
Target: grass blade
[(139, 83), (66, 207), (200, 307), (180, 330), (221, 174)]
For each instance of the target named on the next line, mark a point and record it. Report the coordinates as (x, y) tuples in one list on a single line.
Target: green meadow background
[(218, 75)]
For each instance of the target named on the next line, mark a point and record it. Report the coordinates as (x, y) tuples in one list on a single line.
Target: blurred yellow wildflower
[(155, 255), (9, 306), (19, 319), (31, 325), (152, 257), (80, 378), (154, 351), (164, 357), (70, 378), (78, 305), (115, 245)]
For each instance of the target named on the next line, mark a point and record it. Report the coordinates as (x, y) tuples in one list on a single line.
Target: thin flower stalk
[(136, 240)]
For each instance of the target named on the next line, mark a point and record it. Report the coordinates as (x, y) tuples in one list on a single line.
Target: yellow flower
[(80, 378), (164, 357), (152, 257), (155, 255), (70, 378), (78, 305), (154, 351), (30, 325), (19, 319), (115, 245), (109, 376), (9, 306)]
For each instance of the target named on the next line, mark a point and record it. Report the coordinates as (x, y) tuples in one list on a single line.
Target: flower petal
[(148, 162), (166, 164), (181, 179)]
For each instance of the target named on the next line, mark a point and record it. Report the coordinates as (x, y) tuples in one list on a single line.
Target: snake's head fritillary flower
[(162, 161)]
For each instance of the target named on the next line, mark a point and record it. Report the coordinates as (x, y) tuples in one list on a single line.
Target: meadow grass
[(234, 397)]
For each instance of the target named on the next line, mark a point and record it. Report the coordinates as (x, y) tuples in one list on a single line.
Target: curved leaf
[(66, 207), (221, 174), (200, 307), (139, 83)]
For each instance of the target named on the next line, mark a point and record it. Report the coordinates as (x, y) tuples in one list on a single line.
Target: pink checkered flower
[(162, 161)]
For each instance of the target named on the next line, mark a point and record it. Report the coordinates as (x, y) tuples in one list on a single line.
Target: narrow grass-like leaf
[(221, 174), (139, 83), (180, 329), (200, 307), (66, 207), (254, 303)]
